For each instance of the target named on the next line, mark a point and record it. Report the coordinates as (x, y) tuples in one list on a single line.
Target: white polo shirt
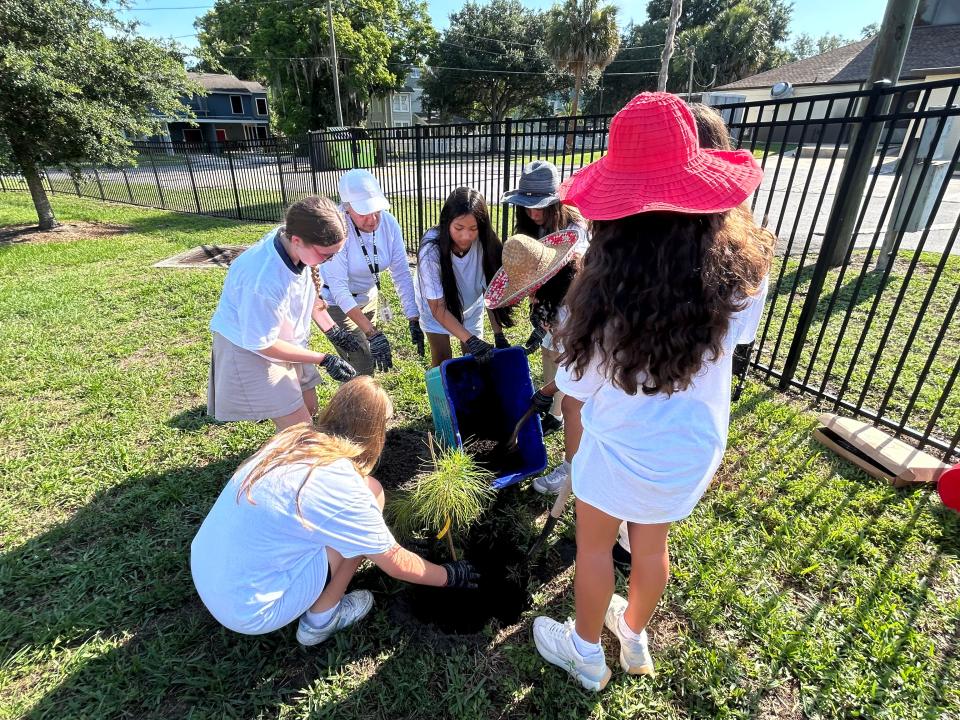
[(265, 298)]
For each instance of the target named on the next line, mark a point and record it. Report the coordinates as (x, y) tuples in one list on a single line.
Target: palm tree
[(581, 37)]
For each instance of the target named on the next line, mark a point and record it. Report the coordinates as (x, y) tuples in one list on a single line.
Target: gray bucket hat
[(539, 182)]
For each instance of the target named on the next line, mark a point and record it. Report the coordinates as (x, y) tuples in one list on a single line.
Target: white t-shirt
[(649, 459), (471, 284), (348, 276), (249, 560), (265, 298)]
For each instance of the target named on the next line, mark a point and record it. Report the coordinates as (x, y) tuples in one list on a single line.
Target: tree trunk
[(675, 9), (28, 166), (577, 82)]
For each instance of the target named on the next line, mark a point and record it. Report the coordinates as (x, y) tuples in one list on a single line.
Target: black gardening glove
[(380, 351), (537, 335), (342, 340), (482, 351), (337, 368), (416, 335), (741, 359), (461, 574), (500, 341), (541, 402)]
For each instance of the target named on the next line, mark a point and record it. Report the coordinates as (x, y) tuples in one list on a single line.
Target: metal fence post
[(99, 184), (507, 152), (76, 185), (3, 185), (126, 181), (844, 205), (313, 151), (49, 184), (193, 179), (156, 176), (418, 147), (283, 190), (233, 177)]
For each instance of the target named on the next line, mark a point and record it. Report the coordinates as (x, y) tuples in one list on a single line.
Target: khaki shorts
[(245, 386)]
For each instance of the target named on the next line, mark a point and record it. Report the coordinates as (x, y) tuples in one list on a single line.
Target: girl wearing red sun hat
[(675, 278)]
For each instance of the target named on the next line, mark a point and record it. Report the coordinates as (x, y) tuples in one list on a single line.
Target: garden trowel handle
[(561, 502)]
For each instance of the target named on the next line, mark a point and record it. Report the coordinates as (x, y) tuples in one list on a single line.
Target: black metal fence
[(874, 335)]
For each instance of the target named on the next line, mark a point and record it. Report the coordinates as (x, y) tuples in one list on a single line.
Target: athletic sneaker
[(551, 482), (353, 606), (555, 644), (634, 654)]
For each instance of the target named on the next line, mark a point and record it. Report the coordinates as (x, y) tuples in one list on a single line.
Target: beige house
[(933, 54)]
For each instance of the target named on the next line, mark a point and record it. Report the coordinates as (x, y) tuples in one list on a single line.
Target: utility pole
[(676, 8), (334, 67), (693, 53), (891, 46)]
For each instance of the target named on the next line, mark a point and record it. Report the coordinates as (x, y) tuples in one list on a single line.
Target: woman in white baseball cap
[(352, 278)]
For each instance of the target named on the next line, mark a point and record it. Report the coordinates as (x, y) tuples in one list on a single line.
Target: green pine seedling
[(456, 488)]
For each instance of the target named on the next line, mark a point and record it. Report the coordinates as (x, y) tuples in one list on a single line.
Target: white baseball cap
[(361, 190)]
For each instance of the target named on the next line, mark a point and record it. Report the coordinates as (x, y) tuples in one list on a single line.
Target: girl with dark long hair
[(456, 261), (675, 278)]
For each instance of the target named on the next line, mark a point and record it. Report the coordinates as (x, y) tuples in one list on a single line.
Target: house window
[(221, 134), (261, 106), (261, 132), (236, 104), (192, 135), (415, 73), (401, 102)]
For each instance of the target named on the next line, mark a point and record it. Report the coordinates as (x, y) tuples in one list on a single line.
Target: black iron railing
[(874, 334)]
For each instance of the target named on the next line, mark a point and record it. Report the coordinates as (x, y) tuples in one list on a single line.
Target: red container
[(948, 486)]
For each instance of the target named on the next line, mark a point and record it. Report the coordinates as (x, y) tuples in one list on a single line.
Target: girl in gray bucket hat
[(539, 213)]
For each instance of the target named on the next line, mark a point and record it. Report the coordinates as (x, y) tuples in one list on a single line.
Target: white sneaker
[(353, 606), (551, 482), (555, 644), (634, 655)]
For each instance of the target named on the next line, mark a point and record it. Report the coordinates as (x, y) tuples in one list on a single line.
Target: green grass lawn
[(801, 587)]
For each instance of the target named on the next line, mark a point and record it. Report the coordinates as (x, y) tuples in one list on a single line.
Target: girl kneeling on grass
[(291, 527), (456, 262), (674, 279), (261, 366)]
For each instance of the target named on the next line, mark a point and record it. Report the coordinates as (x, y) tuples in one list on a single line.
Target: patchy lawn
[(801, 588)]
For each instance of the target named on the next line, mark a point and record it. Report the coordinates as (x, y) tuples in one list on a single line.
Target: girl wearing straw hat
[(675, 278), (539, 212), (457, 260)]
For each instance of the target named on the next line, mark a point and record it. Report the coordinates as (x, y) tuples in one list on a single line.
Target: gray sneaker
[(353, 606), (634, 655), (554, 642), (551, 482)]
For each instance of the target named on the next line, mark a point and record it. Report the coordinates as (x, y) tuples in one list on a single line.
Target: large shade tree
[(286, 46), (75, 84), (582, 38), (490, 62)]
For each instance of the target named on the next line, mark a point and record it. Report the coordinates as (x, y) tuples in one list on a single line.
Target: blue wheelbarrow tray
[(471, 404)]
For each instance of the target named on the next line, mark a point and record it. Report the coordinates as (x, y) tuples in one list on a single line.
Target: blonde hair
[(353, 426)]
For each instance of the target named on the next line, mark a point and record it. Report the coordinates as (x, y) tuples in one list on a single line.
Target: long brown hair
[(317, 221), (353, 426), (656, 293), (466, 201), (555, 217)]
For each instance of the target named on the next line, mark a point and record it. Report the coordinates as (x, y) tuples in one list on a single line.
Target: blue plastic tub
[(470, 402)]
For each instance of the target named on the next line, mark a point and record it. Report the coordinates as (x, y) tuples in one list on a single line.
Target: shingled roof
[(225, 82), (931, 46)]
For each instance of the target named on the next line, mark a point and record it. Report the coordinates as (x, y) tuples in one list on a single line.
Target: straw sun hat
[(527, 265), (655, 163)]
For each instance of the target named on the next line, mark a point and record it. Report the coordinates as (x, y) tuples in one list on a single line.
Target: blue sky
[(816, 17)]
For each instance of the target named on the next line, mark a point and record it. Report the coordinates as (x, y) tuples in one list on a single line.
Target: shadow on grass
[(192, 419), (839, 300)]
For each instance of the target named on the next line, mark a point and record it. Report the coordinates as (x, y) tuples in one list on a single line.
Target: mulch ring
[(66, 232)]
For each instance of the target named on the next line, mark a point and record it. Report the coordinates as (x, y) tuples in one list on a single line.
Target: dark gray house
[(232, 111)]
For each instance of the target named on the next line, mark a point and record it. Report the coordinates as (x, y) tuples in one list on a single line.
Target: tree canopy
[(286, 46), (739, 37), (490, 62), (581, 38), (76, 84)]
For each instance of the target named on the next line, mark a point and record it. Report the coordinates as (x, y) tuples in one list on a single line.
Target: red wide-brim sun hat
[(655, 164)]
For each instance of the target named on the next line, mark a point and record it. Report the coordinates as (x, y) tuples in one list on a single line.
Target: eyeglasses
[(326, 257)]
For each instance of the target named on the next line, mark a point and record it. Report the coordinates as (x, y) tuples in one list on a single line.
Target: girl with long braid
[(261, 366)]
